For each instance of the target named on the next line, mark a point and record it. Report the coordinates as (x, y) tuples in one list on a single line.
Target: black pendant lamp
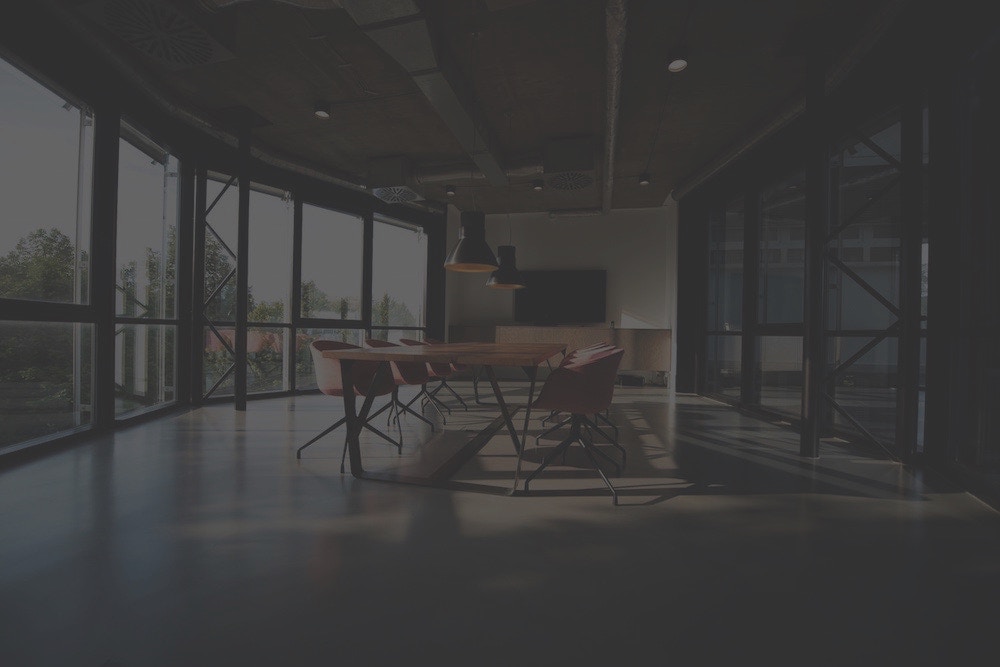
[(471, 253), (507, 276)]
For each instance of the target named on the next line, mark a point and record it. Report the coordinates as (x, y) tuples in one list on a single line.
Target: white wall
[(637, 248)]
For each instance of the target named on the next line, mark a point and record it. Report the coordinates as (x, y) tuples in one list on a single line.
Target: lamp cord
[(510, 233), (472, 117)]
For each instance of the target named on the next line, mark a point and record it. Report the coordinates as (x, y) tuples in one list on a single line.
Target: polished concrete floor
[(199, 539)]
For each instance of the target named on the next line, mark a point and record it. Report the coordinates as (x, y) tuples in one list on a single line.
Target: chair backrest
[(437, 369), (585, 385), (584, 352), (328, 374), (404, 372), (454, 367)]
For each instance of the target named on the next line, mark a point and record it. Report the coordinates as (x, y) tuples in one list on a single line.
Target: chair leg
[(550, 430), (597, 467), (604, 418), (420, 394), (393, 400), (552, 415), (397, 443), (298, 452), (431, 398), (561, 447), (607, 457), (380, 411), (612, 441), (445, 385), (417, 415), (434, 404)]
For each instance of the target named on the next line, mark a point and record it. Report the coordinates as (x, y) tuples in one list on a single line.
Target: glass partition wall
[(314, 272), (120, 265), (874, 257), (146, 281), (46, 315)]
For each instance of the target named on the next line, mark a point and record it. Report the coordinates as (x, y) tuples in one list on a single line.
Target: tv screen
[(561, 297)]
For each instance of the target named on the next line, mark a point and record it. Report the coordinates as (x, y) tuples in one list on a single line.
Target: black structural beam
[(817, 227), (242, 273), (692, 271), (196, 297), (911, 239), (104, 208), (749, 386), (295, 298), (184, 312), (368, 245)]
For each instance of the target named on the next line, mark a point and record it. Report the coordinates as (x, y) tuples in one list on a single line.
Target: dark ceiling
[(530, 72)]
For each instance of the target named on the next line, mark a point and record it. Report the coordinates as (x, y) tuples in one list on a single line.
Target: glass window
[(865, 170), (332, 264), (266, 369), (147, 229), (217, 361), (222, 219), (779, 374), (145, 366), (395, 335), (305, 376), (724, 366), (867, 388), (725, 280), (270, 269), (399, 275), (45, 379), (783, 222), (47, 150)]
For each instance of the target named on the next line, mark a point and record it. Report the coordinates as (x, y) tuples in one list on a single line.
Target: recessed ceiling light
[(644, 178), (449, 190), (322, 110), (677, 64), (537, 185)]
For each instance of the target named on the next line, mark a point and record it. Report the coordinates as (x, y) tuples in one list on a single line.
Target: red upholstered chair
[(331, 382), (440, 372), (413, 373), (582, 386), (455, 368), (573, 357)]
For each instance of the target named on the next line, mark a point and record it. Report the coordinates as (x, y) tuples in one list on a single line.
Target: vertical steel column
[(437, 251), (295, 298), (911, 233), (185, 302), (945, 357), (817, 226), (366, 272), (104, 230), (197, 294), (749, 386), (242, 273), (692, 271)]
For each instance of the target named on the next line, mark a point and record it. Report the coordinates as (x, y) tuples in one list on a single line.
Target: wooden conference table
[(487, 355)]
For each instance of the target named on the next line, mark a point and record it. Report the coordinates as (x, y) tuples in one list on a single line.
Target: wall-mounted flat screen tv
[(561, 297)]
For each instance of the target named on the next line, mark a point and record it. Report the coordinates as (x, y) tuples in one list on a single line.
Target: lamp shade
[(507, 276), (471, 253)]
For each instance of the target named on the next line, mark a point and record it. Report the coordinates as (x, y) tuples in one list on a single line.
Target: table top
[(486, 354)]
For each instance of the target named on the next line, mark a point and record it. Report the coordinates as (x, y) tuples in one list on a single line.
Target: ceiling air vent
[(160, 31), (568, 164), (391, 180), (571, 180), (395, 194)]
